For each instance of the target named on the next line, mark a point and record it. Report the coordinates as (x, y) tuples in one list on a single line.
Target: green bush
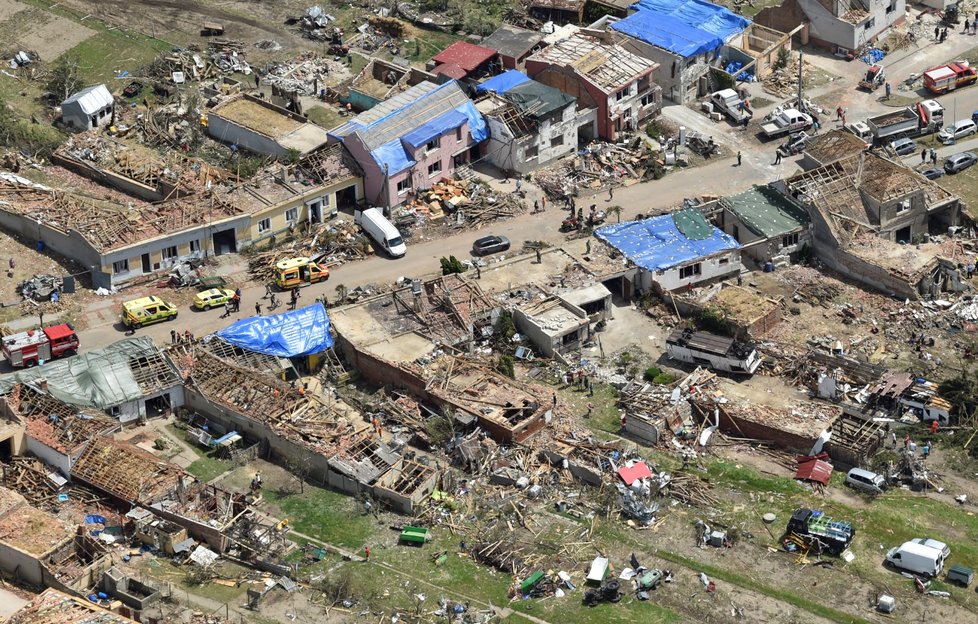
[(663, 379), (451, 265), (507, 366), (651, 373)]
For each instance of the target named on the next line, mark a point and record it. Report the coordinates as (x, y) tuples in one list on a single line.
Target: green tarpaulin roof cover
[(766, 212), (692, 224)]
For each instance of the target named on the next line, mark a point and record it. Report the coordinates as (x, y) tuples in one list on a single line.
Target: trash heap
[(471, 203), (307, 74), (41, 288), (330, 245), (192, 63), (601, 165)]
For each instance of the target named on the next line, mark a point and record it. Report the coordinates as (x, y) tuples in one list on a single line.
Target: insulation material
[(657, 244), (296, 333)]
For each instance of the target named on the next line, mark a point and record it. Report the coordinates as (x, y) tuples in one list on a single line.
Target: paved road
[(721, 176)]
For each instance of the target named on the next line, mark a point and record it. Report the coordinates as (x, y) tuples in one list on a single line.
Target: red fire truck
[(949, 77), (32, 347)]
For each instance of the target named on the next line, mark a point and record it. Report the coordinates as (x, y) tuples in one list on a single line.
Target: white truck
[(727, 101), (922, 118), (787, 121), (375, 225)]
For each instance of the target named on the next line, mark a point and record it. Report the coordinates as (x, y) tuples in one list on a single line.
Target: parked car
[(903, 147), (490, 245), (212, 298), (864, 480), (957, 131), (959, 162), (933, 173), (147, 310)]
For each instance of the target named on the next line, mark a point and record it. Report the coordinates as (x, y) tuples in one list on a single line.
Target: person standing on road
[(887, 87), (777, 157), (739, 157), (611, 193), (967, 25), (937, 34), (258, 308), (923, 155)]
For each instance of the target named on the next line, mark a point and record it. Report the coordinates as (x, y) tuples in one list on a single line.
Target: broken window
[(434, 168), (404, 186), (431, 145), (122, 266), (292, 214), (690, 271), (195, 246), (169, 253), (264, 225), (789, 240)]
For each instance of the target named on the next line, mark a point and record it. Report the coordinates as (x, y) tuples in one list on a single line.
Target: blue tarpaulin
[(684, 27), (503, 82), (656, 244), (94, 519), (299, 332)]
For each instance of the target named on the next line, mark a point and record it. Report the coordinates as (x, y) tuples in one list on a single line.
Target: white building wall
[(711, 267), (48, 455)]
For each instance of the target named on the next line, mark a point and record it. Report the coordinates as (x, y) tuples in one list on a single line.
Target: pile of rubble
[(472, 203), (192, 63), (602, 165), (330, 245), (307, 74), (41, 288), (783, 82)]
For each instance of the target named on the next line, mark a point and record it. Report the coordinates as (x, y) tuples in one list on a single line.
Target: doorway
[(146, 264), (225, 242), (903, 235), (347, 198)]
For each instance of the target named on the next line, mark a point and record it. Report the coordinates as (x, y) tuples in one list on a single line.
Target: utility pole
[(801, 63)]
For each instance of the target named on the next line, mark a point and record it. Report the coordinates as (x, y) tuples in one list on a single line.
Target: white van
[(376, 226), (916, 558)]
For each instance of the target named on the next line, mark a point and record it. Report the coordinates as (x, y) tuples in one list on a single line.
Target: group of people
[(176, 337), (928, 154), (233, 304)]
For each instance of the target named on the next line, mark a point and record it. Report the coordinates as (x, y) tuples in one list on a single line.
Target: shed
[(89, 108), (514, 44)]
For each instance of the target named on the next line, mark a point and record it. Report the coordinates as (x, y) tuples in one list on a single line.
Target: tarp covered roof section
[(413, 121), (290, 334), (102, 379), (656, 244), (766, 212), (503, 82), (683, 27)]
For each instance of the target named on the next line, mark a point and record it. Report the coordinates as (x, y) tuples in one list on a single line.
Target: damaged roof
[(766, 212), (512, 41)]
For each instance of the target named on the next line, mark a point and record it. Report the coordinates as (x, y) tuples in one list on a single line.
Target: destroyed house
[(410, 322), (862, 206), (40, 549), (412, 140), (377, 82), (829, 147), (463, 60), (835, 25), (57, 607), (122, 238), (602, 75), (769, 226), (263, 128), (684, 38), (716, 352), (174, 208), (135, 477), (54, 431), (674, 251), (553, 325), (129, 379), (530, 124), (513, 44)]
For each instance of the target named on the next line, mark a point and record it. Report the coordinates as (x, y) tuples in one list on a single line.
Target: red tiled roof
[(466, 55), (451, 70)]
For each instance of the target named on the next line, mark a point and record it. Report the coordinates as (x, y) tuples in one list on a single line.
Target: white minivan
[(916, 558), (866, 481), (376, 226)]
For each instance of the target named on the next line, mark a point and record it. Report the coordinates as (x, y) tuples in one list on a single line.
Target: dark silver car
[(959, 162), (903, 147), (933, 173), (490, 245)]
